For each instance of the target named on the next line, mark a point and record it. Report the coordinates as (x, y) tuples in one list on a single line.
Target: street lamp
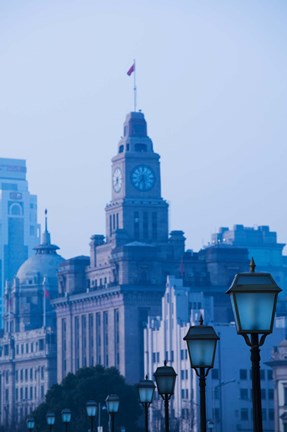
[(91, 408), (210, 425), (50, 418), (66, 417), (146, 390), (253, 299), (165, 377), (201, 343), (112, 403), (30, 423)]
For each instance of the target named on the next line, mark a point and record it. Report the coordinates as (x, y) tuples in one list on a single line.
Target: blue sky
[(211, 81)]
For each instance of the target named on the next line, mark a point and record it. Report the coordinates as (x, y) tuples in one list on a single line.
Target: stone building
[(19, 230), (278, 363), (28, 341), (105, 300)]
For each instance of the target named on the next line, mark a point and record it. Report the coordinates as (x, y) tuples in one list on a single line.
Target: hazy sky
[(211, 82)]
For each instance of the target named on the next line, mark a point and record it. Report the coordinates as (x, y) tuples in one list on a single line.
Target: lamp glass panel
[(50, 419), (146, 394), (165, 384), (91, 410), (201, 352), (255, 311), (30, 423), (113, 406), (66, 417)]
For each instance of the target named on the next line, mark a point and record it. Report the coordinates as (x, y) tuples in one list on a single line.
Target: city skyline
[(210, 83)]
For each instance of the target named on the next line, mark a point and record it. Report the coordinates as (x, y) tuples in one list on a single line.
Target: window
[(269, 375), (244, 394), (244, 414), (263, 394), (136, 225), (154, 225), (262, 374), (15, 209), (41, 344), (84, 341), (285, 395), (271, 394), (216, 414), (140, 147), (243, 374), (184, 393), (271, 414), (145, 225), (214, 373), (183, 374)]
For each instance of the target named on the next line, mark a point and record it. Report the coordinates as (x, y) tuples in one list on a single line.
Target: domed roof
[(45, 262)]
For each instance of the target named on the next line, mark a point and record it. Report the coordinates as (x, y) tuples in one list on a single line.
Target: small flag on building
[(131, 69)]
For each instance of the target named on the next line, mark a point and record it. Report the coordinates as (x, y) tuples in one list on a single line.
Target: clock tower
[(137, 207)]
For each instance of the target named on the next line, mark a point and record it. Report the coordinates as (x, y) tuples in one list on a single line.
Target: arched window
[(15, 209)]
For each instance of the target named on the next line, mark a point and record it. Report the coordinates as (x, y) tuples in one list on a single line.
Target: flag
[(46, 293), (131, 69)]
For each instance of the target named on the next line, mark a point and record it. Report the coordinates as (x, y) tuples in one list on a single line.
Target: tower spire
[(46, 240)]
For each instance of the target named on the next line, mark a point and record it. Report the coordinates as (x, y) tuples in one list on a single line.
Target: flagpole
[(44, 303), (135, 87)]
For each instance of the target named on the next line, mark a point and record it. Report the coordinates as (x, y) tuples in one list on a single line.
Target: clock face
[(117, 180), (142, 178)]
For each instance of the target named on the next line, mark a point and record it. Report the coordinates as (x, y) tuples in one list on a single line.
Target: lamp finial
[(252, 265)]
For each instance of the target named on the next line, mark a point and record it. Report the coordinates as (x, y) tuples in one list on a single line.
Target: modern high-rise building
[(19, 229)]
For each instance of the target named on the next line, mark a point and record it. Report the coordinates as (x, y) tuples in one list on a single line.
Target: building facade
[(262, 245), (28, 341), (19, 229)]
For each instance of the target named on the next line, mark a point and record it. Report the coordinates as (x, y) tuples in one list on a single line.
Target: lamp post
[(50, 418), (112, 403), (91, 407), (201, 343), (146, 390), (30, 423), (253, 298), (165, 377), (66, 417)]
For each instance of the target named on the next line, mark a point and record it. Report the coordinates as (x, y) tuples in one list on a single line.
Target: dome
[(40, 264), (44, 263)]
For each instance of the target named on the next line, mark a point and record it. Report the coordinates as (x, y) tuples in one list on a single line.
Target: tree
[(91, 383)]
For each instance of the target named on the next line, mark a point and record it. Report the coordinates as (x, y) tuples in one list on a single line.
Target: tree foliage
[(91, 383)]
